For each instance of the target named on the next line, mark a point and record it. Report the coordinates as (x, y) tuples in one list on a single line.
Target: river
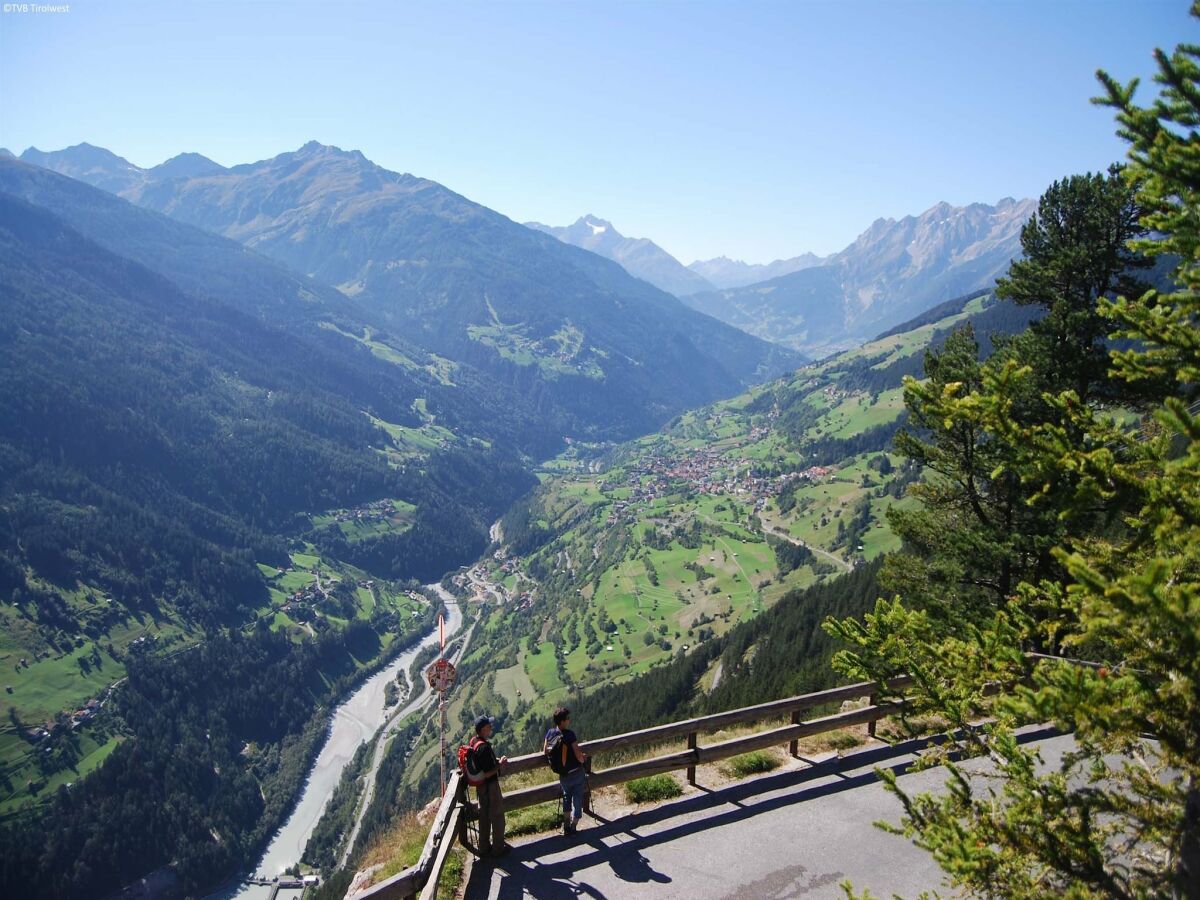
[(355, 721)]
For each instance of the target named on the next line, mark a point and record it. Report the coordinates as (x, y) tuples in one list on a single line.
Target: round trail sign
[(441, 675)]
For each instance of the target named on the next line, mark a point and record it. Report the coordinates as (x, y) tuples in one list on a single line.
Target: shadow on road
[(527, 871)]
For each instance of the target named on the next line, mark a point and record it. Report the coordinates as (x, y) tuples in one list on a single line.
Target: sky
[(756, 130)]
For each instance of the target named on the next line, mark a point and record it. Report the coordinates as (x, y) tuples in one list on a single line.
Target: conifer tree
[(1075, 251)]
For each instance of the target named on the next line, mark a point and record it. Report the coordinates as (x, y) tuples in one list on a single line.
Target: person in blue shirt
[(573, 776)]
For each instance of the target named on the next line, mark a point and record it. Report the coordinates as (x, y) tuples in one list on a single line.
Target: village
[(705, 470), (375, 511)]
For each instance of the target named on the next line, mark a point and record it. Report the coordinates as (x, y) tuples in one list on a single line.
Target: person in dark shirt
[(491, 799), (574, 776)]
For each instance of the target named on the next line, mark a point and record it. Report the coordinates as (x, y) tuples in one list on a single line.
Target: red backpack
[(467, 763)]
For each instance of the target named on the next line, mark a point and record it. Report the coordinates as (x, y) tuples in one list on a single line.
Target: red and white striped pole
[(442, 703)]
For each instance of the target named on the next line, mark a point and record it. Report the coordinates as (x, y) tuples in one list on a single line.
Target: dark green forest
[(157, 447)]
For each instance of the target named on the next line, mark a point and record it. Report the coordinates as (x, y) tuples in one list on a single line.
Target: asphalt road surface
[(796, 834)]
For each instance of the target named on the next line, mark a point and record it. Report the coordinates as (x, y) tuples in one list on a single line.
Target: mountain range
[(646, 260), (893, 271), (601, 353), (639, 256), (722, 272), (605, 350)]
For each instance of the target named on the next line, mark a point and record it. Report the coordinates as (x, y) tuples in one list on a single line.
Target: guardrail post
[(691, 770), (794, 746), (587, 786), (871, 725)]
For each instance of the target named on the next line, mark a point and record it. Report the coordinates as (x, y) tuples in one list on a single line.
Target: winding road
[(836, 560)]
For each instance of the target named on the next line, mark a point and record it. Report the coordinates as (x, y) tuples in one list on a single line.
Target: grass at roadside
[(652, 788), (534, 819), (400, 847), (753, 763)]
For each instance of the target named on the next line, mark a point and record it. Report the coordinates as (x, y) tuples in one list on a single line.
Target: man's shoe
[(501, 851)]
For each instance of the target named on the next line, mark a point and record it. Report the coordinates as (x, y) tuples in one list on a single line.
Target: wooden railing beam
[(715, 722), (690, 758)]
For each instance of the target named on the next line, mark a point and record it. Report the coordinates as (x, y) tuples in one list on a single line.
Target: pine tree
[(1076, 251)]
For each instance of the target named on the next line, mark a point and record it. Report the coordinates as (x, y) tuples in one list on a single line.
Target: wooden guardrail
[(422, 878)]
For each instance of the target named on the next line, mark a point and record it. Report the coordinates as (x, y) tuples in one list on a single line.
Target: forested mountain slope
[(374, 360), (603, 353)]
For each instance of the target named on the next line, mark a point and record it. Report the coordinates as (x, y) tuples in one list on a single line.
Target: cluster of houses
[(85, 713), (486, 585), (78, 718), (375, 511), (304, 598), (705, 470), (313, 592)]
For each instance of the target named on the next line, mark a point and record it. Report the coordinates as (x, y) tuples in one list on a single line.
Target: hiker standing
[(567, 761), (491, 800)]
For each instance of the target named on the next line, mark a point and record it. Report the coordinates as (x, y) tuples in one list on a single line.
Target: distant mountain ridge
[(724, 272), (605, 353), (98, 167), (893, 271), (641, 257)]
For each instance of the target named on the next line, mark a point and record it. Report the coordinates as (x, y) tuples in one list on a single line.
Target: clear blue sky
[(752, 129)]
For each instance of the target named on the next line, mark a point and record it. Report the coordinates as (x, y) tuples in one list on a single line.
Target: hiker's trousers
[(491, 816), (572, 785)]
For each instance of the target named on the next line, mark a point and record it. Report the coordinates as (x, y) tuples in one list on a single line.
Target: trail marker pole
[(441, 676), (442, 702)]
